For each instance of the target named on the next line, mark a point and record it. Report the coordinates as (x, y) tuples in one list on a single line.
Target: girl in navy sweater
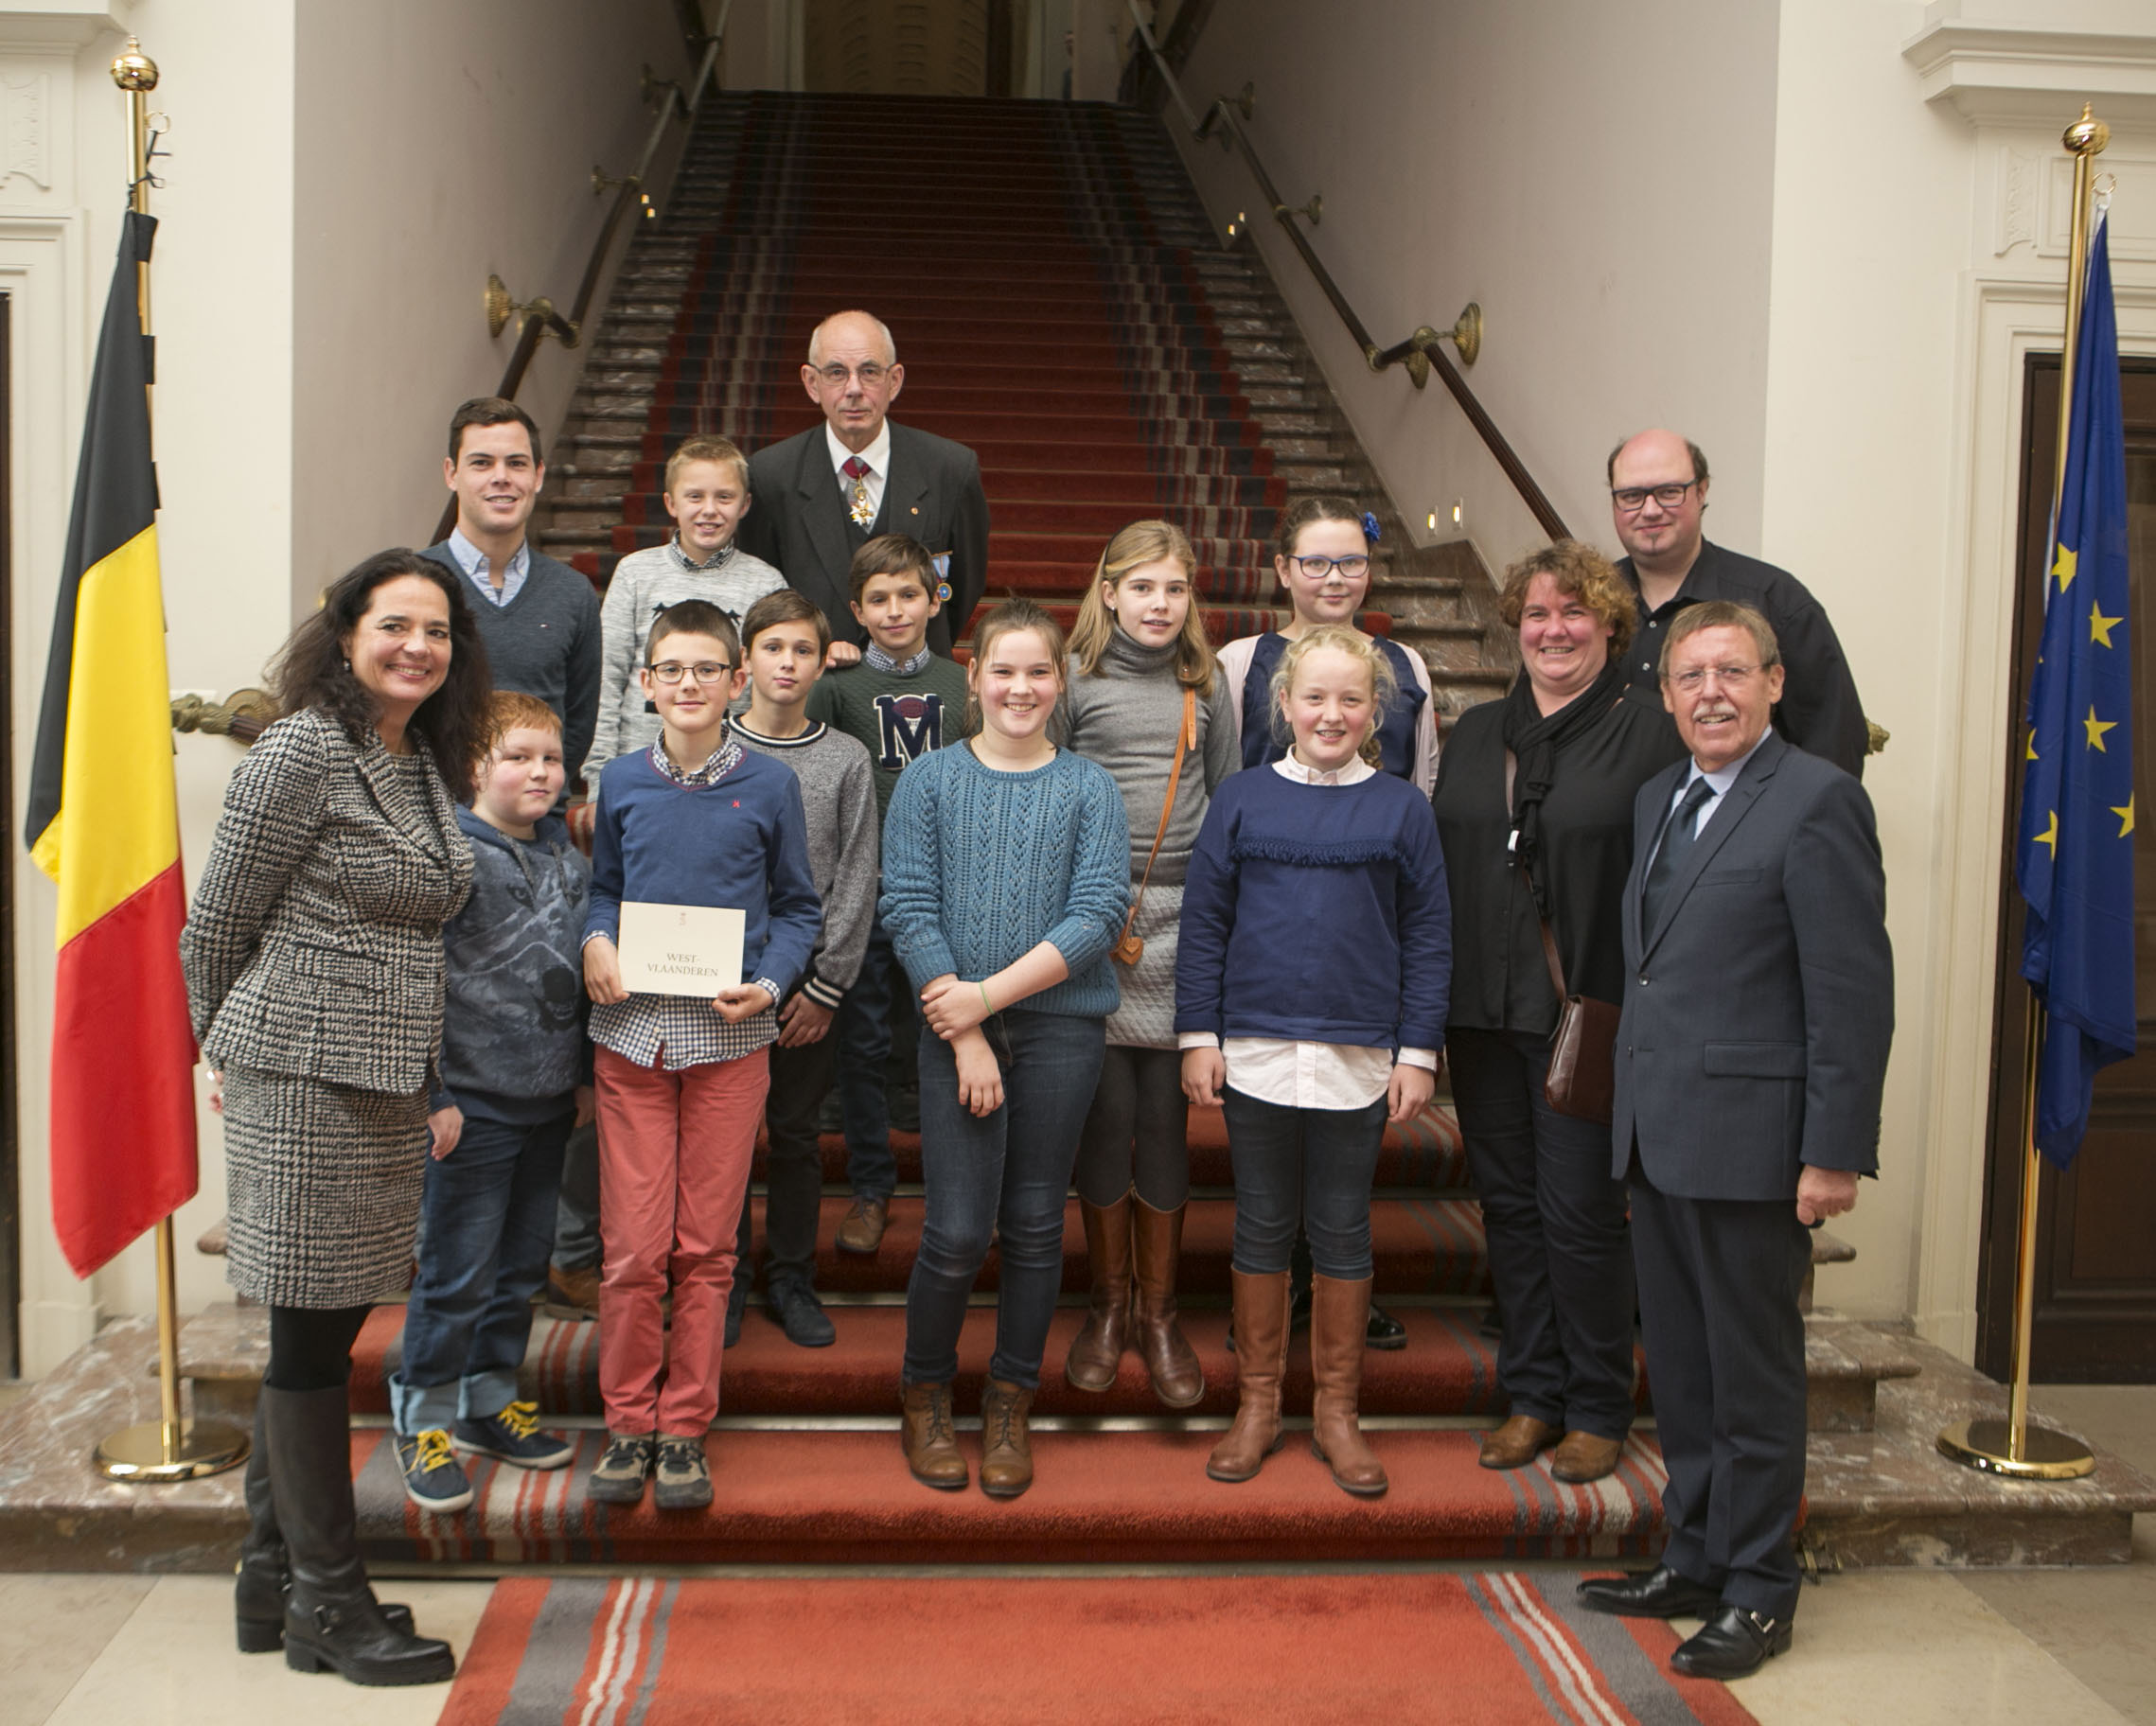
[(1006, 867), (1311, 989)]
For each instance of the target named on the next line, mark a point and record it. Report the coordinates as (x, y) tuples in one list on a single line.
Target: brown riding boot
[(1171, 1363), (930, 1441), (1097, 1348), (1339, 1312), (1260, 1360), (1006, 1447)]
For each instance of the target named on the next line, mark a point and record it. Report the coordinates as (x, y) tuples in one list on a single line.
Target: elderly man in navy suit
[(825, 493), (1758, 1007)]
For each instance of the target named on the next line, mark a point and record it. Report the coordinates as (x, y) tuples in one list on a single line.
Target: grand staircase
[(1061, 306)]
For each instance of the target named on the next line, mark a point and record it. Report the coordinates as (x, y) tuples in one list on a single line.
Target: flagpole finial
[(133, 69), (2087, 136)]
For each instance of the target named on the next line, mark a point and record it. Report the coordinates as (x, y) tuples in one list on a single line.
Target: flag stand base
[(139, 1456), (2042, 1455)]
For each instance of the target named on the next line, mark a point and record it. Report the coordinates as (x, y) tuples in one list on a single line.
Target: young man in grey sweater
[(785, 638)]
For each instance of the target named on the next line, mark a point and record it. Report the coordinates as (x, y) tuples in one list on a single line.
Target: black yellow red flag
[(104, 824)]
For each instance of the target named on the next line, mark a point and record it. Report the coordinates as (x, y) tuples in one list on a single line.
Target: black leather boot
[(331, 1619), (258, 1591)]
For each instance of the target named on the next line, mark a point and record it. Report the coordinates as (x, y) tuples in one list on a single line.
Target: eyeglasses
[(670, 672), (835, 375), (1726, 677), (1317, 569), (1633, 499)]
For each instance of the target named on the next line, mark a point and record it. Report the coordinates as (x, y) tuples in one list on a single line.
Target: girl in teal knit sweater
[(1006, 870)]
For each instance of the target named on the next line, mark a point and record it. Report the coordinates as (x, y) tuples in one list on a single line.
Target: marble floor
[(2062, 1647)]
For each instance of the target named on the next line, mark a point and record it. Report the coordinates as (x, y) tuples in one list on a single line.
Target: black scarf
[(1535, 741)]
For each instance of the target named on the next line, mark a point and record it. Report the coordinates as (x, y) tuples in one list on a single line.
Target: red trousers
[(674, 1155)]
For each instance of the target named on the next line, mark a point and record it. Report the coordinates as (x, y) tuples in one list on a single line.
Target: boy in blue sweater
[(515, 1076), (694, 819)]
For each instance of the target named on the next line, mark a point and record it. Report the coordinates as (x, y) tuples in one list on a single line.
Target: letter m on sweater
[(908, 727)]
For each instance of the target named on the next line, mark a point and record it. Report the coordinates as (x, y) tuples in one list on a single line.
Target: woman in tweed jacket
[(313, 957)]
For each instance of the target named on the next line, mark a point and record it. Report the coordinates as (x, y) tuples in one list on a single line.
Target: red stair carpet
[(1035, 261), (1466, 1650)]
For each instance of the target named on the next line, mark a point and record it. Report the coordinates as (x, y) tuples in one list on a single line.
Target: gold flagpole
[(169, 1448), (2014, 1447)]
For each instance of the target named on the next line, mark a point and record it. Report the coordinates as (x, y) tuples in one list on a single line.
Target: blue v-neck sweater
[(1317, 914)]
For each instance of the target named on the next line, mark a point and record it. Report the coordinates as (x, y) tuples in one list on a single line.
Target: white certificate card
[(680, 949)]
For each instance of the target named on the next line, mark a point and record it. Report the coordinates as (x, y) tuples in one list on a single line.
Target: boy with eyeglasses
[(695, 820)]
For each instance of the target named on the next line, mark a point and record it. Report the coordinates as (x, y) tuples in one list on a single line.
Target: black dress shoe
[(1734, 1644), (1660, 1592), (1383, 1330)]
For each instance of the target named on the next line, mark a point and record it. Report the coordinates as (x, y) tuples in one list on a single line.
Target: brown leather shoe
[(572, 1293), (1099, 1345), (1583, 1457), (1006, 1447), (1261, 1358), (1171, 1363), (930, 1441), (1518, 1442), (862, 1229), (1340, 1314)]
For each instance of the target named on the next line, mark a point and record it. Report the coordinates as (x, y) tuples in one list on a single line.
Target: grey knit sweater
[(838, 794), (1125, 718)]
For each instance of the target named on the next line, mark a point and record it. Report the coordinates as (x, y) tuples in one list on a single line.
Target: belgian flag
[(104, 824)]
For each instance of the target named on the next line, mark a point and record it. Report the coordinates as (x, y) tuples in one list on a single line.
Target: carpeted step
[(1097, 1498), (1447, 1369)]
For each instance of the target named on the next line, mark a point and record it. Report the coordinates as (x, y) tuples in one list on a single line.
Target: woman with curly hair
[(1534, 805), (313, 959)]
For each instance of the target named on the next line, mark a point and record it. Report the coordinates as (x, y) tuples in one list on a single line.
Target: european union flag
[(2075, 863)]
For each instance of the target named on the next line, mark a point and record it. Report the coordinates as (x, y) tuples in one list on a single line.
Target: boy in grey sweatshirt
[(783, 640)]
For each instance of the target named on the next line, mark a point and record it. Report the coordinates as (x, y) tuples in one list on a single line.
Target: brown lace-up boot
[(1099, 1345), (930, 1441), (1261, 1358), (1339, 1312), (1171, 1363), (1006, 1447)]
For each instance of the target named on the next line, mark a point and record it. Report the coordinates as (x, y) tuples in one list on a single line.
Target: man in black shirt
[(1657, 493)]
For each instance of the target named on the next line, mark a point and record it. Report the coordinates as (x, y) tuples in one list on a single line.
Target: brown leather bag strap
[(1186, 739), (1548, 940)]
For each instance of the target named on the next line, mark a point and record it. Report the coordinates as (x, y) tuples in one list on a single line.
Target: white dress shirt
[(1718, 782), (878, 455), (472, 561), (1310, 1075)]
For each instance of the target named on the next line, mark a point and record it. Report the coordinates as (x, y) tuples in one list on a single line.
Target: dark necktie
[(858, 499), (1676, 846)]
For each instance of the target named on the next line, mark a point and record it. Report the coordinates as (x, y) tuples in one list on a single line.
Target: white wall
[(1598, 176), (436, 143)]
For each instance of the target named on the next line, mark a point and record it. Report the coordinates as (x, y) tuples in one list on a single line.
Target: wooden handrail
[(539, 318), (1419, 354)]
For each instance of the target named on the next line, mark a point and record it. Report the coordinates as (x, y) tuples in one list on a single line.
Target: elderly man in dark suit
[(826, 492), (1758, 1006)]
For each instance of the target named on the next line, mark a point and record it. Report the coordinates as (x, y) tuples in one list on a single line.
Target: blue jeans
[(1007, 1173), (577, 1219), (1309, 1166), (864, 1046), (490, 1213)]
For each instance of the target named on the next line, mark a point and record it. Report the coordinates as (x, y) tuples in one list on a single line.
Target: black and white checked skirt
[(321, 1184)]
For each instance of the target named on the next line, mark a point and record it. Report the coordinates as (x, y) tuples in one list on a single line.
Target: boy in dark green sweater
[(901, 701)]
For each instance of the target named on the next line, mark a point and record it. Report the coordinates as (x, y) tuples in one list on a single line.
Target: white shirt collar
[(1722, 777), (1352, 774), (472, 560), (878, 455)]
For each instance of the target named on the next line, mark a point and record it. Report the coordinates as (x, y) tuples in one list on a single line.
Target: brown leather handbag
[(1581, 1081), (1130, 946)]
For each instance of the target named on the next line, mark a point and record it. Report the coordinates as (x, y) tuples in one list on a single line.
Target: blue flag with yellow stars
[(2075, 862)]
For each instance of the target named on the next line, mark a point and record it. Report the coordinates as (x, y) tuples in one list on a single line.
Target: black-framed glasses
[(835, 375), (671, 672), (1633, 499), (1318, 569)]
